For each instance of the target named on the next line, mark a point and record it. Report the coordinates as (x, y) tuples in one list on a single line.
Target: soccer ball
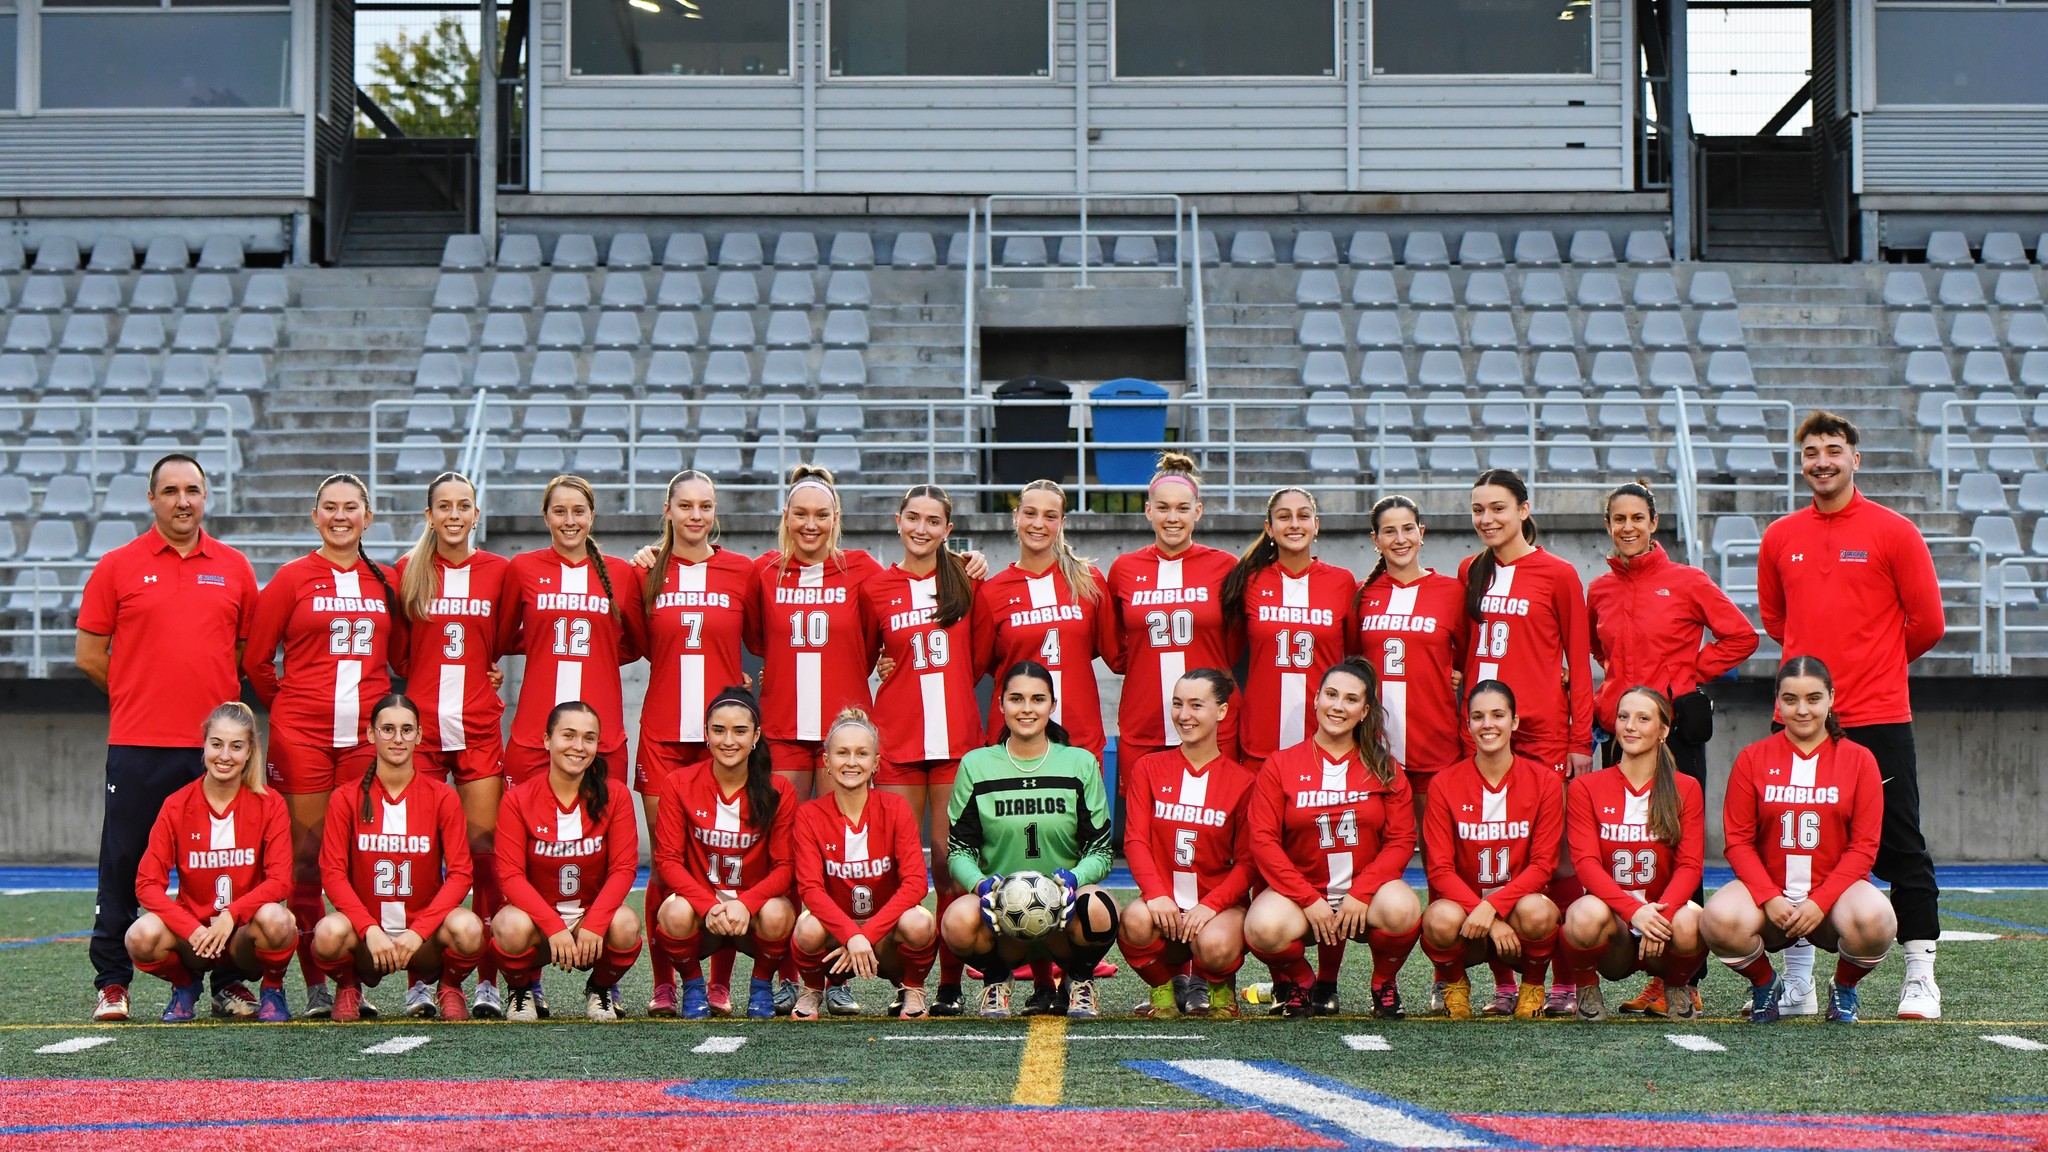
[(1029, 905)]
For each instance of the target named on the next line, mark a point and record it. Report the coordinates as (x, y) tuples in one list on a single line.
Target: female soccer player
[(723, 848), (1296, 614), (334, 614), (1639, 832), (860, 871), (230, 903), (395, 859), (575, 614), (567, 858), (1493, 826), (702, 606), (1187, 841), (1804, 812), (450, 593), (1528, 611), (1413, 630), (1332, 827), (1168, 609), (1032, 803), (1650, 619)]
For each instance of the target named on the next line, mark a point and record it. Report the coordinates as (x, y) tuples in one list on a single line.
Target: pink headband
[(1182, 477)]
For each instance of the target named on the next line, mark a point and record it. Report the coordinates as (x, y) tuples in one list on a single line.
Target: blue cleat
[(695, 1004), (184, 1005), (1763, 1001), (271, 1007), (761, 1000), (1842, 1004)]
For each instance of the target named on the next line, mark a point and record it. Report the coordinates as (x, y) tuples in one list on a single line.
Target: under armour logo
[(1796, 557), (149, 579), (110, 789)]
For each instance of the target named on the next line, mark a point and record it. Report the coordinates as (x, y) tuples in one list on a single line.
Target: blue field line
[(2038, 931), (84, 934)]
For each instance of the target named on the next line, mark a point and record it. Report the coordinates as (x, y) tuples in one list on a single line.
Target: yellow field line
[(1042, 1073)]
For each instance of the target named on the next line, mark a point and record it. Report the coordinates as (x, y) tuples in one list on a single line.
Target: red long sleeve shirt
[(815, 662), (239, 859), (1324, 829), (859, 878), (1019, 616), (1607, 825), (1855, 588), (555, 861), (448, 657), (1416, 636), (1186, 835), (703, 615), (926, 709), (1650, 616), (555, 613), (337, 632), (1802, 827), (408, 867), (1296, 628), (1531, 635), (1169, 619), (708, 848), (1496, 844)]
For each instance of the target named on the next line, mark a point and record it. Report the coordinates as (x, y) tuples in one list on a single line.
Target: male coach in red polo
[(161, 631)]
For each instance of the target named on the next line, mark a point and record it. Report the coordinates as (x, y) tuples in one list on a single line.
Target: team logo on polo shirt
[(1855, 556), (209, 578)]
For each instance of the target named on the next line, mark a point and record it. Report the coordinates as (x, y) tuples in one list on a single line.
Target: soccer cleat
[(1920, 999), (1080, 998), (486, 1004), (519, 1004), (1386, 1001), (1648, 1002), (1842, 1004), (612, 998), (234, 1001), (719, 996), (1799, 999), (1502, 1004), (1161, 1005), (348, 1004), (452, 1006), (419, 1000), (1692, 993), (1436, 998), (995, 1000), (948, 1001), (1561, 1003), (1682, 1004), (112, 1005), (1529, 1002), (1764, 1000), (807, 1003), (695, 1004), (839, 1000), (540, 999), (1592, 1003), (370, 1011), (271, 1006), (663, 1002), (763, 1003), (784, 997), (1191, 996), (914, 1004), (597, 1005), (1323, 995), (1043, 1001), (1458, 999), (184, 1005), (1293, 1001), (319, 1001), (1223, 998), (895, 1009)]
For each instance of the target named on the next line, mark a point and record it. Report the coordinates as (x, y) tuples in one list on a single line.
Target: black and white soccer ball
[(1029, 905)]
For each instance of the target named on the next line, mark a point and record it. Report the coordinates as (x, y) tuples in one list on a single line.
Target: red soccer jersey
[(1496, 844), (390, 871), (1802, 827), (1607, 824), (1415, 635), (708, 849), (1186, 833), (926, 709), (557, 615), (239, 859), (703, 615), (1169, 618), (448, 657), (336, 631), (1322, 829), (1296, 627), (1532, 635), (815, 658), (1019, 616), (556, 862), (859, 878)]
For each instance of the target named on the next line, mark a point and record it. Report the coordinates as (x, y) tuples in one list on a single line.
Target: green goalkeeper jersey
[(1005, 820)]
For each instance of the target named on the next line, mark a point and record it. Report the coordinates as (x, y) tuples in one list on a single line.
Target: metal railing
[(969, 336), (38, 612), (1952, 421), (2022, 584), (1969, 598), (1198, 313), (103, 437), (1685, 467), (1171, 235)]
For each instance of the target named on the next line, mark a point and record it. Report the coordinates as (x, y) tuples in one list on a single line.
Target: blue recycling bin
[(1128, 425)]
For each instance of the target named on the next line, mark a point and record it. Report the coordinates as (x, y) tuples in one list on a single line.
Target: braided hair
[(582, 488), (394, 700), (393, 605)]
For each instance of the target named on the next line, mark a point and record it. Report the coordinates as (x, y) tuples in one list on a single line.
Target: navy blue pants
[(139, 780)]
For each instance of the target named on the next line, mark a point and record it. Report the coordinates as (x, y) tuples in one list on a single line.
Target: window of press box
[(7, 50), (1482, 37), (679, 37), (187, 56), (1225, 38), (1958, 55), (940, 37)]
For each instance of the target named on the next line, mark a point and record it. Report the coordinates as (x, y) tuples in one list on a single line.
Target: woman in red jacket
[(1650, 621), (230, 903)]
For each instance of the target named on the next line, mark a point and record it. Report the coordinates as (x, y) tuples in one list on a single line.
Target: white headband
[(820, 485)]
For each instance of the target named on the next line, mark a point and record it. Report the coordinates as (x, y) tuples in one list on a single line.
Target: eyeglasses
[(393, 732)]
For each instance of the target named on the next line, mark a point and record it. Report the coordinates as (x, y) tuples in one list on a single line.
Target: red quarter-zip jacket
[(1650, 614)]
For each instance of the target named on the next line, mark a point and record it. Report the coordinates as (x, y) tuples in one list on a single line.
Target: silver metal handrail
[(1198, 314), (98, 440), (1685, 467), (1080, 203), (1952, 413), (49, 603), (968, 336), (2015, 574)]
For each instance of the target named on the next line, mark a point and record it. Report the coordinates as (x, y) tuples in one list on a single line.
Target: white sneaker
[(1799, 1000), (519, 1005), (419, 1001), (597, 1005), (1920, 999)]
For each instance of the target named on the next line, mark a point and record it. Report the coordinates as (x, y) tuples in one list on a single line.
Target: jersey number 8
[(863, 900)]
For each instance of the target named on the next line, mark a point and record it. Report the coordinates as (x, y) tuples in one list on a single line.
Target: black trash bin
[(1035, 423)]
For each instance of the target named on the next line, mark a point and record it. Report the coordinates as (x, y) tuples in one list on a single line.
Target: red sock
[(681, 951), (1583, 964), (456, 966), (1563, 891), (1390, 950), (276, 960), (1329, 961), (613, 963), (521, 968), (1503, 975), (1218, 975), (1146, 960), (307, 908), (917, 962), (341, 969), (1449, 962), (721, 967), (1849, 971), (664, 970), (772, 956), (950, 964), (172, 969), (485, 898), (1289, 964), (1757, 968), (1536, 957), (1681, 967), (1044, 973), (810, 966)]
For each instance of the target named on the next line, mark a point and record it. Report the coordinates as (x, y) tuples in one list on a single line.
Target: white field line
[(1951, 936), (2017, 1043), (75, 1044), (1368, 1044), (1693, 1043), (720, 1045), (397, 1045), (1367, 1119)]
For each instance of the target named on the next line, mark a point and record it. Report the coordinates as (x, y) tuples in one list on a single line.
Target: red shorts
[(1418, 782), (1548, 754), (479, 761), (523, 762), (796, 756), (658, 758), (930, 773), (309, 770)]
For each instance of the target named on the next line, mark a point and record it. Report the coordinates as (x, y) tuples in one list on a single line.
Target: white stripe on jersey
[(690, 688), (348, 675), (568, 826), (1194, 789), (394, 814), (1394, 714), (1803, 769), (1493, 806), (1333, 776), (810, 670), (1043, 594), (454, 686), (856, 848), (727, 818), (1798, 877), (569, 668), (1635, 809), (931, 687), (1194, 792), (391, 916), (1502, 585), (220, 835), (1293, 685), (1172, 665)]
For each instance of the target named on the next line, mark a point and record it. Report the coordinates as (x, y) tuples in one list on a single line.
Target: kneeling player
[(389, 838), (1638, 832), (723, 847), (1185, 840), (1803, 816), (229, 908), (567, 857), (1490, 836), (1031, 803), (860, 873)]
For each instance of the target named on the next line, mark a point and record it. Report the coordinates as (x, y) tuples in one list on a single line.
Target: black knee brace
[(1085, 908)]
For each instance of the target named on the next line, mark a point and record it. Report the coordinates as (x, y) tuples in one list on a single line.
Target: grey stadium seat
[(1592, 248), (1711, 288), (1494, 330), (1389, 410), (51, 540), (519, 252), (603, 454), (1906, 288), (12, 258), (680, 290), (1551, 330), (71, 372), (1024, 252), (1915, 330), (2033, 500), (796, 250), (1374, 288), (558, 330), (1441, 368), (685, 250), (838, 453), (732, 330), (154, 292), (664, 417), (1436, 330), (2003, 250), (2016, 290), (576, 251), (497, 370), (540, 456), (612, 368), (1740, 412), (1655, 289), (846, 328), (1971, 330), (1317, 287), (736, 290), (1563, 411), (1370, 249), (455, 292), (1500, 368), (781, 413), (1730, 531), (1252, 247), (43, 294), (1646, 248), (1998, 412), (87, 332), (739, 250), (1633, 454), (674, 330), (1557, 370), (1383, 368), (96, 293), (629, 251), (1985, 370), (1431, 289), (1378, 329), (568, 290), (792, 290), (1928, 369), (210, 292), (2000, 534), (1135, 252), (142, 333), (1425, 249), (1720, 329), (1600, 289), (1480, 249), (1487, 289), (911, 250), (1730, 369), (1948, 250), (1750, 456), (129, 374), (728, 369), (1536, 250), (843, 368), (1621, 412), (240, 372), (461, 253), (1670, 370), (167, 254), (1315, 249), (624, 290), (511, 292), (1324, 369), (553, 369), (221, 254), (1610, 330), (617, 330), (2034, 371), (839, 419), (2027, 331), (1665, 330), (1321, 330), (2011, 455), (1334, 456), (1544, 288), (785, 368), (659, 456), (57, 254), (722, 413), (852, 250), (848, 288), (1072, 247), (1506, 411), (1961, 289), (788, 330), (197, 332), (15, 502), (258, 332), (1396, 458), (1573, 455), (29, 333)]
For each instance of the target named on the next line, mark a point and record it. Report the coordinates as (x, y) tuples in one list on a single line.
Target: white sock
[(1920, 960), (1799, 964)]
